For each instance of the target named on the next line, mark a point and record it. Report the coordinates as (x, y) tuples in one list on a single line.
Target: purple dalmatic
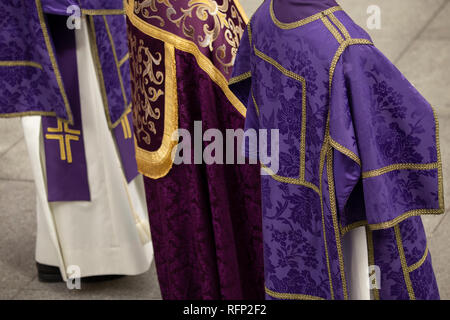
[(39, 77), (358, 144)]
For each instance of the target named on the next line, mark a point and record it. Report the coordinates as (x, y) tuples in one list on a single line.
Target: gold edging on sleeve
[(291, 296), (157, 164), (18, 63), (239, 78), (53, 61), (187, 46), (401, 253), (419, 263), (399, 166), (336, 145)]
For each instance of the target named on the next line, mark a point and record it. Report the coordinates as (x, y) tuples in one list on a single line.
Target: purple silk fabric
[(381, 165), (293, 10), (205, 219), (67, 179), (124, 136)]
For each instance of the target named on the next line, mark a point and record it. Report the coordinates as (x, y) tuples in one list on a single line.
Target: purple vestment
[(205, 219), (39, 77), (359, 146)]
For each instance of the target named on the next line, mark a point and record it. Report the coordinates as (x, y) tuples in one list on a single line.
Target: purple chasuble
[(205, 219), (358, 144)]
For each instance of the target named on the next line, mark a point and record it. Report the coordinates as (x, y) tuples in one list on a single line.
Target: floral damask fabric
[(359, 146)]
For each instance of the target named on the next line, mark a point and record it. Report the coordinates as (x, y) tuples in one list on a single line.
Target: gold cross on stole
[(64, 135)]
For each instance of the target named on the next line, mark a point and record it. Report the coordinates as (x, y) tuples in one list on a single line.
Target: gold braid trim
[(419, 263), (124, 59), (255, 104), (102, 12), (291, 296), (340, 26), (399, 166), (401, 253), (17, 63), (288, 180), (239, 78), (187, 46), (345, 151), (302, 22)]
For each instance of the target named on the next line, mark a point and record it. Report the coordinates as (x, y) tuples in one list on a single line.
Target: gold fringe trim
[(21, 64), (291, 296), (302, 22), (187, 46), (157, 164)]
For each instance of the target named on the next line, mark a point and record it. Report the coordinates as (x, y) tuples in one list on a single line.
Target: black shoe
[(53, 274)]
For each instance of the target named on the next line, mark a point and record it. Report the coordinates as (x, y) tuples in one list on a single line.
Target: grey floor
[(414, 34)]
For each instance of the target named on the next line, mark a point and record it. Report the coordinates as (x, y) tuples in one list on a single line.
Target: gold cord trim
[(17, 63), (302, 80), (332, 29), (116, 60), (240, 78), (345, 151), (53, 61), (371, 256), (353, 225), (302, 22), (291, 296), (401, 253), (288, 180), (28, 113), (419, 263), (102, 12), (330, 174), (187, 46), (124, 59), (158, 163), (340, 26), (249, 30), (255, 104), (399, 166), (439, 161)]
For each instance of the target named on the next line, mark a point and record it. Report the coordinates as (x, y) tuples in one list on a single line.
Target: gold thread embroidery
[(330, 175), (288, 180), (124, 59), (332, 29), (345, 151), (53, 60), (302, 22), (188, 46), (65, 136), (303, 126), (157, 164), (399, 166), (371, 256), (255, 104), (102, 12), (21, 64), (340, 26), (401, 253), (419, 263), (116, 60), (291, 296), (240, 78)]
